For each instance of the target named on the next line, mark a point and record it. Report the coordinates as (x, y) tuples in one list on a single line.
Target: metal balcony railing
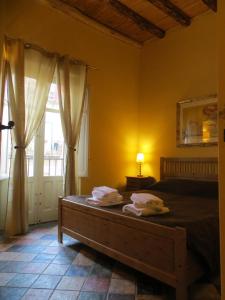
[(53, 165)]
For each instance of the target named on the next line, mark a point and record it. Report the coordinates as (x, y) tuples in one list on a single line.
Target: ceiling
[(141, 20)]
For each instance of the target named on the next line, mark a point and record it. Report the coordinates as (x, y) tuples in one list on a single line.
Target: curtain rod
[(46, 52)]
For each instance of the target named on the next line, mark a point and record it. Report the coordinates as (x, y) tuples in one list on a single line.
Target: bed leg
[(60, 234), (180, 264), (60, 237)]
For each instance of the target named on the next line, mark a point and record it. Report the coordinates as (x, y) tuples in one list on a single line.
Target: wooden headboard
[(194, 168)]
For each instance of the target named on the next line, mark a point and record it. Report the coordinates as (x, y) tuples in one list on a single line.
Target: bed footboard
[(155, 250)]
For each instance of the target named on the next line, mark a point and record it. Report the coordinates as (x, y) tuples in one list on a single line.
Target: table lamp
[(140, 160)]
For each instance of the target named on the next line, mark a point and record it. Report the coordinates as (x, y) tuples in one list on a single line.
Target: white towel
[(143, 200), (104, 192), (105, 201), (147, 211), (104, 195)]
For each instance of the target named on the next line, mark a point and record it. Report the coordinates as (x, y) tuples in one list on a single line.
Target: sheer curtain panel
[(71, 82), (82, 145), (2, 90), (29, 74)]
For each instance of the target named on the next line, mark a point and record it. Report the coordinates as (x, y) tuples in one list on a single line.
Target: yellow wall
[(113, 87), (221, 17), (182, 65)]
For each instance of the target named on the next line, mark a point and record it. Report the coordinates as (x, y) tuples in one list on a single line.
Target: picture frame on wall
[(197, 122)]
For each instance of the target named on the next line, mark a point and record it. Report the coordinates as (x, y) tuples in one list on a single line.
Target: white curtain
[(82, 145), (71, 82), (2, 89), (29, 74)]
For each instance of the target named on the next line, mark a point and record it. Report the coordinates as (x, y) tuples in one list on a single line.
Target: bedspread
[(198, 215)]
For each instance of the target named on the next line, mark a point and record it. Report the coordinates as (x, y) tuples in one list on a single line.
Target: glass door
[(48, 164)]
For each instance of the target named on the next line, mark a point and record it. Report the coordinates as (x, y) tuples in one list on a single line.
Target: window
[(6, 141), (49, 139), (53, 136), (48, 144)]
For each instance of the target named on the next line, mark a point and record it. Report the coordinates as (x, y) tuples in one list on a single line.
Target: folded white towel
[(147, 211), (143, 200), (144, 197), (104, 195), (105, 202), (104, 191), (108, 197)]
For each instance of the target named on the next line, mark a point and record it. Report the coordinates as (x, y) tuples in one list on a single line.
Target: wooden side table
[(139, 183)]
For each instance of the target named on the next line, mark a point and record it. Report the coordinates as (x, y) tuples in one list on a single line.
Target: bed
[(168, 248)]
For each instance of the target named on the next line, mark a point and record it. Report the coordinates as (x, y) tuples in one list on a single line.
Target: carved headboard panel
[(194, 168)]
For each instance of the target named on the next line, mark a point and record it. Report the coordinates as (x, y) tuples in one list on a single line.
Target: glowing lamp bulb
[(140, 158)]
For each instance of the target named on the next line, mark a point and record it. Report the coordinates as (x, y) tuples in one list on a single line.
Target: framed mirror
[(197, 122)]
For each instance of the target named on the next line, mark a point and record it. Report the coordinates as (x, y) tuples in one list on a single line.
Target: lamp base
[(140, 176)]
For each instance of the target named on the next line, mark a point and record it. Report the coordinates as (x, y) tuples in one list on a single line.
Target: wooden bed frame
[(156, 250)]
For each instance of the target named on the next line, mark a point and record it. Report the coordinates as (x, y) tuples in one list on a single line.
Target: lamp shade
[(140, 158)]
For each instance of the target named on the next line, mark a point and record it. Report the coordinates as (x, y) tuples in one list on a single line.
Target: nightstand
[(139, 183)]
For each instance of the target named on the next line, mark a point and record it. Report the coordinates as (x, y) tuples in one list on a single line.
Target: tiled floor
[(35, 266)]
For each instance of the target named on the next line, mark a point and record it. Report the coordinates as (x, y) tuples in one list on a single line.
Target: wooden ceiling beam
[(73, 12), (143, 23), (212, 4), (172, 10)]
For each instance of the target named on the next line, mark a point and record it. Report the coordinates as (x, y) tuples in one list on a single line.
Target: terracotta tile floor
[(35, 266)]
